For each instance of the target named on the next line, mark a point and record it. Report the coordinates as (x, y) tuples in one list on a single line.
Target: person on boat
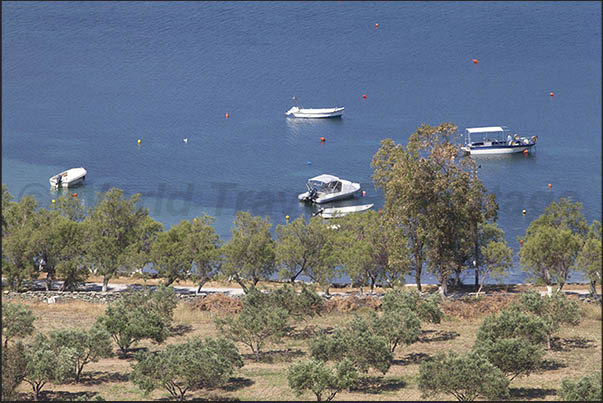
[(509, 139)]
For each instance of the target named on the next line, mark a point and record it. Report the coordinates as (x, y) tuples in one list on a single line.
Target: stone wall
[(88, 296)]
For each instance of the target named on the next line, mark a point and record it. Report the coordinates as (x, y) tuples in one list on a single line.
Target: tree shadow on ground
[(530, 393), (551, 365), (276, 356), (65, 396), (130, 354), (98, 377), (412, 358), (305, 333), (439, 335), (209, 398), (180, 330), (237, 383), (377, 384), (562, 344)]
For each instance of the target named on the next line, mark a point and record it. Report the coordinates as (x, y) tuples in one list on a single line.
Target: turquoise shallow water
[(82, 81)]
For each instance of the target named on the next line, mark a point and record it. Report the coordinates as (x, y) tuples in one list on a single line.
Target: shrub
[(195, 364), (466, 377), (258, 323), (17, 321), (87, 345), (317, 377), (427, 308), (13, 370), (587, 388)]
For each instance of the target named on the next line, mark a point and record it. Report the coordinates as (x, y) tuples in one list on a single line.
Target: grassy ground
[(576, 352)]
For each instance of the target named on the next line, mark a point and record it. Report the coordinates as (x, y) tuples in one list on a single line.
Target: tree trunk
[(105, 283), (202, 283), (443, 289), (327, 288), (549, 290), (593, 289), (478, 290), (418, 268)]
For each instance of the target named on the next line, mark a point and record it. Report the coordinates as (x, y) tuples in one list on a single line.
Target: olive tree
[(13, 369), (372, 251), (357, 341), (44, 364), (139, 315), (249, 255), (589, 257), (466, 377), (204, 245), (512, 341), (114, 230), (495, 255), (320, 379), (259, 322), (87, 345), (554, 311), (587, 388), (194, 364), (427, 307), (17, 321), (552, 243)]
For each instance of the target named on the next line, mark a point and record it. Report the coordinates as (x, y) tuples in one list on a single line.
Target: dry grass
[(576, 352)]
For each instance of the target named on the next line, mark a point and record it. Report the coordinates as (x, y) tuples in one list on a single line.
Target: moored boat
[(68, 178), (342, 211), (326, 188), (314, 113), (495, 140)]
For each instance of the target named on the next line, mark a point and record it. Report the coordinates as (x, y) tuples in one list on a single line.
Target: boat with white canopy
[(495, 140), (341, 211), (326, 188), (70, 177)]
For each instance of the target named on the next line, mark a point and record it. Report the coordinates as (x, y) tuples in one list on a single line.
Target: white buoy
[(185, 140)]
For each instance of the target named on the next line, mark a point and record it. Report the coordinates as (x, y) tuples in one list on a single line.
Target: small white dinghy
[(341, 211), (299, 111), (70, 177), (315, 113)]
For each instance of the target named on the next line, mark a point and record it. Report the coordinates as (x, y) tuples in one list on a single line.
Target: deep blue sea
[(83, 81)]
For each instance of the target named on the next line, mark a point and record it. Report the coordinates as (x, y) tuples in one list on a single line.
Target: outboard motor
[(313, 194)]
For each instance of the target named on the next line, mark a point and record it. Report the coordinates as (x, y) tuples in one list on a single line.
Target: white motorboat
[(70, 177), (326, 188), (315, 113), (491, 140), (341, 211)]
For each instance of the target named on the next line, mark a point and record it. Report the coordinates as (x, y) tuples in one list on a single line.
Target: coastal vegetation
[(438, 216)]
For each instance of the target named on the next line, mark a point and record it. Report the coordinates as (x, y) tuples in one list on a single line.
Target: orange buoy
[(226, 116), (322, 139), (521, 241), (376, 25), (363, 193), (552, 94), (475, 61), (525, 152), (75, 195), (364, 96), (550, 185)]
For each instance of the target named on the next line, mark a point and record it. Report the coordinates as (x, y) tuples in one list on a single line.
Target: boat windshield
[(324, 187)]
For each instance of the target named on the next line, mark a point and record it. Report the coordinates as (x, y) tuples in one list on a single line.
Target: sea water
[(82, 82)]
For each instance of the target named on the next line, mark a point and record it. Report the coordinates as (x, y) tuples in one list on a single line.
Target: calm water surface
[(83, 81)]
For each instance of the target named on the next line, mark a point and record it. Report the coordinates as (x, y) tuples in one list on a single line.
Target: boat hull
[(328, 197), (315, 113), (70, 178), (497, 150), (341, 211)]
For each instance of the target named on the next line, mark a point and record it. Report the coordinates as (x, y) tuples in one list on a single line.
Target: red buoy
[(75, 195), (552, 94), (525, 152), (364, 96), (226, 116), (322, 139), (376, 25), (475, 61), (550, 185)]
